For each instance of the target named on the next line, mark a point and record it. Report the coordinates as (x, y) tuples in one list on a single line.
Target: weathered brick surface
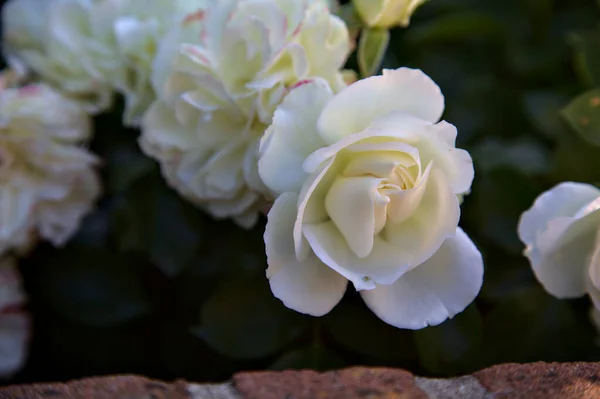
[(542, 380), (508, 381), (358, 382), (117, 387)]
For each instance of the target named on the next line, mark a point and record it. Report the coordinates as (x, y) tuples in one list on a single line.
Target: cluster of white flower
[(48, 181), (244, 103), (87, 49), (219, 76)]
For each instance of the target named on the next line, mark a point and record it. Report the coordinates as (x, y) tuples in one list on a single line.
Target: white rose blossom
[(219, 77), (560, 232), (368, 188), (47, 180), (69, 44), (14, 322)]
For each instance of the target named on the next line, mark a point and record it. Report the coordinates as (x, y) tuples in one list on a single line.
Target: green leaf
[(543, 108), (583, 114), (456, 27), (123, 160), (540, 11), (587, 58), (125, 166), (313, 357), (355, 327), (152, 219), (176, 237), (372, 45), (498, 199), (534, 326), (454, 346), (537, 60), (575, 159), (94, 230), (215, 260), (92, 287), (525, 155), (506, 278), (243, 319)]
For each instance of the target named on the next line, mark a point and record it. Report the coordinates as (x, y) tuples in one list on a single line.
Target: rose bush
[(560, 232), (217, 94), (147, 263), (368, 189)]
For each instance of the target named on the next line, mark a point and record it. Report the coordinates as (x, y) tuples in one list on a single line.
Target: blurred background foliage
[(151, 285)]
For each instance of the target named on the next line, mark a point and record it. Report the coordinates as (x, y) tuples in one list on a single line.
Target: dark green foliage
[(152, 285)]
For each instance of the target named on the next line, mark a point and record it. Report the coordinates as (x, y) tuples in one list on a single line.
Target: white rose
[(68, 43), (386, 13), (368, 188), (560, 232), (139, 27), (14, 323), (47, 180), (218, 89)]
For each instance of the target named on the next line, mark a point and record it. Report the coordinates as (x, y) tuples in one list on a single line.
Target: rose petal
[(15, 210), (594, 269), (434, 220), (350, 203), (438, 145), (405, 202), (561, 258), (159, 127), (435, 142), (311, 202), (379, 160), (564, 199), (385, 264), (309, 286), (405, 90), (593, 293), (292, 137), (377, 138), (434, 291)]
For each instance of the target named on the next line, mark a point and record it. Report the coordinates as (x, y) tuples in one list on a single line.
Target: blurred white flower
[(139, 27), (14, 322), (90, 48), (47, 180), (368, 184), (219, 76), (69, 44), (560, 232)]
